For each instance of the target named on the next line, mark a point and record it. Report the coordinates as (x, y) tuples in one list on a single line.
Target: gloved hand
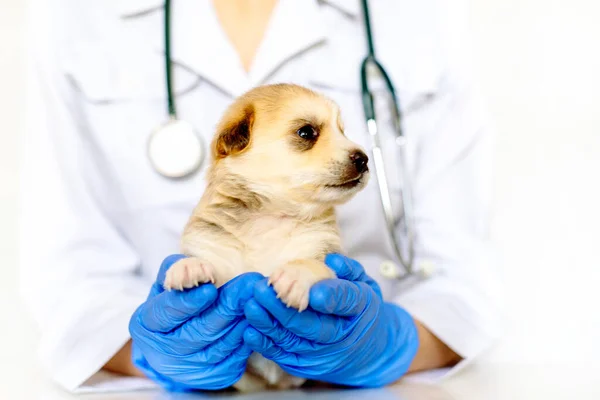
[(347, 336), (192, 339)]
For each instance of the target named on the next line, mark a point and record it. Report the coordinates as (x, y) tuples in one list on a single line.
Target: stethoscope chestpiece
[(175, 150)]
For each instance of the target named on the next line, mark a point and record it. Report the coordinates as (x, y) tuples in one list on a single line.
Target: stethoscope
[(176, 151)]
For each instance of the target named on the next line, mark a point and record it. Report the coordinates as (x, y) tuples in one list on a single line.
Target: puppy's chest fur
[(270, 242), (235, 241), (225, 243)]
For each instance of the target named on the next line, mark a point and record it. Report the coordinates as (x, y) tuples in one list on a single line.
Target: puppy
[(280, 163)]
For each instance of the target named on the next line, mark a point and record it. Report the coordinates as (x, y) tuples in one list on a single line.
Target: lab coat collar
[(131, 8), (200, 45), (295, 27), (135, 7), (350, 7)]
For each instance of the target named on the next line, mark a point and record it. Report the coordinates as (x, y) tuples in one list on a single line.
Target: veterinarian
[(99, 222)]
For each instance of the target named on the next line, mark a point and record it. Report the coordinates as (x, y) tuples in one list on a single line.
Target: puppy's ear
[(233, 134)]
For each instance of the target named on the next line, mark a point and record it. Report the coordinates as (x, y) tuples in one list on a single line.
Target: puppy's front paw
[(188, 273), (292, 282)]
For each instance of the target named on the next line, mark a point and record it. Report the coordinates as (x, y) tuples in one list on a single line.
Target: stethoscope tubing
[(171, 105), (371, 61)]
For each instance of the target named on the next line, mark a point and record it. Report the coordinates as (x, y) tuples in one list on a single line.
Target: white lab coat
[(98, 220)]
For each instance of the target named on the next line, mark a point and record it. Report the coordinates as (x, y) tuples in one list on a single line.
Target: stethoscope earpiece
[(390, 270), (426, 269)]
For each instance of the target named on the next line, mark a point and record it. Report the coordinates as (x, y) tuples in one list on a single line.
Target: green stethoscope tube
[(171, 107), (386, 200)]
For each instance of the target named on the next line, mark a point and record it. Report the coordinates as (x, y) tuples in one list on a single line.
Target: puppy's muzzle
[(360, 161), (354, 171)]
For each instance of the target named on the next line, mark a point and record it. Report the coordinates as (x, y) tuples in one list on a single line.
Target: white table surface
[(477, 382)]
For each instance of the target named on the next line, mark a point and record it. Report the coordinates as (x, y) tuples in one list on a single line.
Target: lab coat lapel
[(295, 26), (133, 8), (199, 44)]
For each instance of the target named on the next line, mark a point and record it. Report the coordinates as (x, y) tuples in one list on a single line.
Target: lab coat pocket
[(122, 98), (106, 74)]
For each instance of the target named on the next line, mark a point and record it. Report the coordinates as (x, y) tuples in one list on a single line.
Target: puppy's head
[(287, 143)]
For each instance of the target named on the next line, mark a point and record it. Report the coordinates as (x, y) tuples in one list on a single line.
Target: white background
[(538, 63)]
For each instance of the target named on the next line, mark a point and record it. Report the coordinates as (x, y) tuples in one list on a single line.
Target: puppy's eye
[(308, 132)]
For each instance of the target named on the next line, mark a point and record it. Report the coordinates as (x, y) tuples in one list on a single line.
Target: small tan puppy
[(281, 162)]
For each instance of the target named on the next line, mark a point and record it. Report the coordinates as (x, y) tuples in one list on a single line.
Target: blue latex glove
[(347, 336), (192, 339)]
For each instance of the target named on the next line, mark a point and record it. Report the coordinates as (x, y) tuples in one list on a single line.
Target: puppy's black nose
[(360, 160)]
